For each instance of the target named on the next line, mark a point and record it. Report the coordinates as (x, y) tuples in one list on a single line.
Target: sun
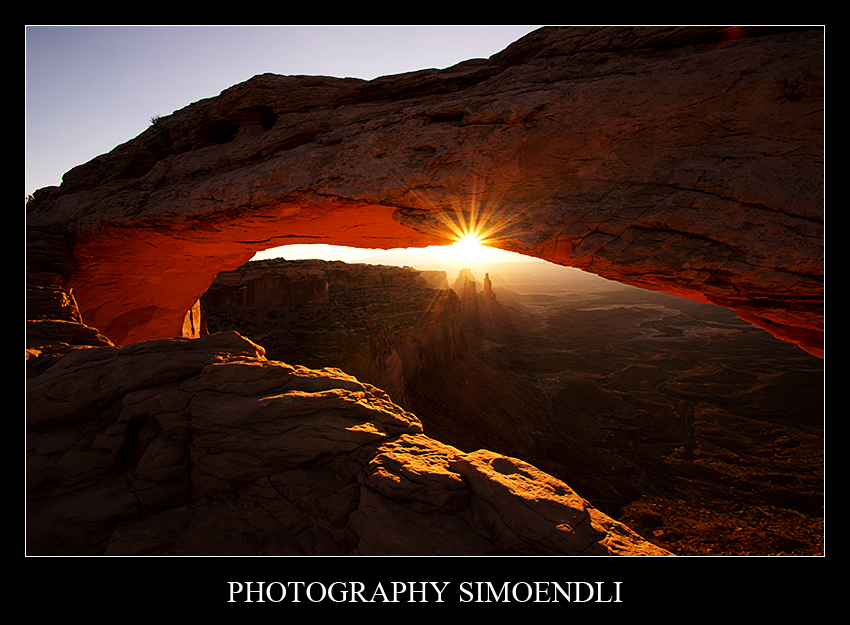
[(469, 248), (478, 230)]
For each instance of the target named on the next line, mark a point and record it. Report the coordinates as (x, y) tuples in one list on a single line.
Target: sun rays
[(470, 228), (475, 231)]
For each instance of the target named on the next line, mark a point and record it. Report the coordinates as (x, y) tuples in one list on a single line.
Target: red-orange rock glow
[(137, 283), (674, 159)]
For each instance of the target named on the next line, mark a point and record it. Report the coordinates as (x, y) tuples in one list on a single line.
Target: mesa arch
[(684, 160)]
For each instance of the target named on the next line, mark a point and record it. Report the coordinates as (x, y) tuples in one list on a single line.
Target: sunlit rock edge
[(203, 446)]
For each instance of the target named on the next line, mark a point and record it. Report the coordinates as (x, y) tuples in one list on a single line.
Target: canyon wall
[(382, 324), (684, 160), (262, 285)]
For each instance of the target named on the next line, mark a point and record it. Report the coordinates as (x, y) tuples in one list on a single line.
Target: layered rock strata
[(54, 326), (684, 160), (382, 324)]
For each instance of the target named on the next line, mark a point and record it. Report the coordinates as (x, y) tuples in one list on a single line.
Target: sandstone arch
[(686, 160)]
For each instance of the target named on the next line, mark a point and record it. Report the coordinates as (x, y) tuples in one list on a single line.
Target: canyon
[(684, 161), (381, 324), (700, 430)]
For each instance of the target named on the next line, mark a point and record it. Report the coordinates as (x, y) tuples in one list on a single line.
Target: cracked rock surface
[(683, 160), (227, 453)]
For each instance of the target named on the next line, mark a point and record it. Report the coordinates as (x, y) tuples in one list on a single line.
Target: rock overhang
[(679, 160)]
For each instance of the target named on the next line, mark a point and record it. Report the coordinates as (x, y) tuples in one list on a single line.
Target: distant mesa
[(466, 285), (379, 323), (435, 279)]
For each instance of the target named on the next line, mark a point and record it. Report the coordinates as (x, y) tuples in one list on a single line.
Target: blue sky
[(91, 88)]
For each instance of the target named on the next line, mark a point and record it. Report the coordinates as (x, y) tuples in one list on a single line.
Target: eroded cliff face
[(258, 284), (382, 324), (684, 160)]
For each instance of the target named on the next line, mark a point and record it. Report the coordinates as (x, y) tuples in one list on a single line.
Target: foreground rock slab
[(205, 447)]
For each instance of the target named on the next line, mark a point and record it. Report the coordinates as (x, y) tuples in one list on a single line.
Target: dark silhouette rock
[(205, 447), (381, 324), (487, 290)]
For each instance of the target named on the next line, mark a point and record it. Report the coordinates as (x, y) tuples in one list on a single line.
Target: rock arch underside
[(682, 160)]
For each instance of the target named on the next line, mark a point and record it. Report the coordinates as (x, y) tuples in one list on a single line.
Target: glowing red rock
[(675, 159)]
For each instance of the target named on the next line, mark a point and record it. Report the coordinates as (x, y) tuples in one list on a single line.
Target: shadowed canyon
[(701, 430), (183, 402)]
